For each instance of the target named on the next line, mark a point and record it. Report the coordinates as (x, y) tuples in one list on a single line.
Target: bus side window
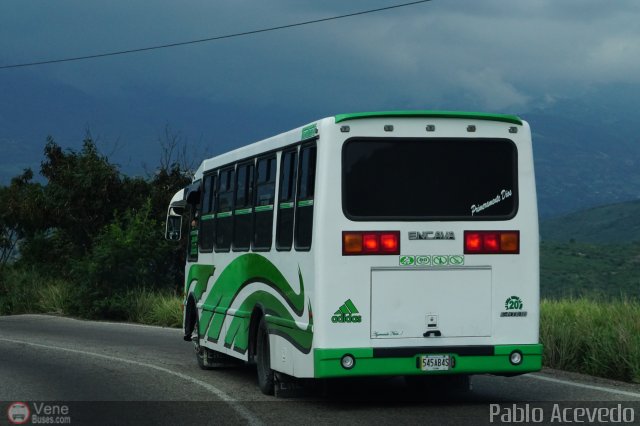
[(265, 195), (304, 199), (192, 247), (286, 200), (224, 211), (243, 214), (207, 223)]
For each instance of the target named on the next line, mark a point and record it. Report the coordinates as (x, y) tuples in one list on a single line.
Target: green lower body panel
[(406, 361)]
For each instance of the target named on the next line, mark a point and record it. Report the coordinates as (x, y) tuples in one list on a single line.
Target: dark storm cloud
[(491, 54)]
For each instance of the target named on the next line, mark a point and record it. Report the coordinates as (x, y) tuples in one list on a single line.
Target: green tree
[(92, 226), (82, 193), (129, 253), (19, 213)]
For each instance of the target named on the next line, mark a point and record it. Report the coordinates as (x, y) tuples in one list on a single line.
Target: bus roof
[(431, 114)]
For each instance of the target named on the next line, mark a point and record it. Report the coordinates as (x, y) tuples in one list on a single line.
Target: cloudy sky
[(493, 55)]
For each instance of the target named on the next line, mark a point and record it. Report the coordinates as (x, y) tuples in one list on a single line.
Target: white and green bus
[(368, 244)]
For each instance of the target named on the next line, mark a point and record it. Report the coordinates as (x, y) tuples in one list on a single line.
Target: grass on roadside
[(155, 308), (25, 291), (592, 337)]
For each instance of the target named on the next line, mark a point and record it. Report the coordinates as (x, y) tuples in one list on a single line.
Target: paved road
[(112, 373)]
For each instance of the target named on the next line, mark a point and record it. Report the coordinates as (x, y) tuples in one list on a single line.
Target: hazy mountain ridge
[(127, 128), (602, 271), (610, 224), (586, 151), (594, 252)]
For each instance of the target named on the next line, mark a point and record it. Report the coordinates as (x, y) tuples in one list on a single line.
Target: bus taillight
[(370, 242), (390, 242), (491, 242)]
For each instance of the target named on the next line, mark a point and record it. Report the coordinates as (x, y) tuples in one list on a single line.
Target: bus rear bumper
[(407, 361)]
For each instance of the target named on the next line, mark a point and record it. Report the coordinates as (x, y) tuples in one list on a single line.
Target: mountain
[(594, 253), (586, 148), (601, 271), (127, 126), (610, 224)]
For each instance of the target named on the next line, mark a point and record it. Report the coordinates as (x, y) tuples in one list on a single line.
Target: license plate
[(435, 362)]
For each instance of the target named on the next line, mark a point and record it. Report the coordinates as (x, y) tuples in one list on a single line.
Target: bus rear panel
[(428, 248)]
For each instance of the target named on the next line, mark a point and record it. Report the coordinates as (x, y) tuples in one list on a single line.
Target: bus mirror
[(174, 228)]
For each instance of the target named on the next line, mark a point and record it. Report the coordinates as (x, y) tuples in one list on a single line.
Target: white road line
[(584, 386), (233, 403)]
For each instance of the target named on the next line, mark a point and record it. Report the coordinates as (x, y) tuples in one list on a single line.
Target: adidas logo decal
[(347, 313)]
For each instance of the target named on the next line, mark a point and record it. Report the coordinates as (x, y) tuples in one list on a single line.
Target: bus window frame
[(224, 169), (211, 210), (250, 165), (269, 157), (295, 150), (311, 146)]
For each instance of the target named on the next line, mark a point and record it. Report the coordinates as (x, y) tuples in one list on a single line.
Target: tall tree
[(82, 193), (19, 213)]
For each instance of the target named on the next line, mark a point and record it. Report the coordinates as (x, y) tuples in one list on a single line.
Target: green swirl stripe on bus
[(245, 270), (201, 275), (280, 322)]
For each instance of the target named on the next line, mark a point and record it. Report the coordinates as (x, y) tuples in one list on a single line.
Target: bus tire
[(208, 359), (202, 353), (190, 319), (201, 356), (263, 359)]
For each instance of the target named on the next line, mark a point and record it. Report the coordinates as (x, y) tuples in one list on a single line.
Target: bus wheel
[(202, 357), (208, 359), (202, 353), (263, 359)]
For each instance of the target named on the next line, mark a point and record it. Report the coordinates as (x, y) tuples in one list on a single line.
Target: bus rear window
[(430, 178)]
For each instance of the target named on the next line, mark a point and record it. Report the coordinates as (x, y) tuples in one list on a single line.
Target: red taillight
[(491, 242), (472, 242), (390, 242), (370, 242)]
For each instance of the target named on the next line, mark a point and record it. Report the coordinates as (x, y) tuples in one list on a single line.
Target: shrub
[(130, 253), (19, 291)]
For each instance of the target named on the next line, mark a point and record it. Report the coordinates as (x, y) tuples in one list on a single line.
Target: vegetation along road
[(124, 373)]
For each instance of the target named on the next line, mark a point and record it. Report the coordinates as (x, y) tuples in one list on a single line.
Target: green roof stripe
[(431, 114)]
